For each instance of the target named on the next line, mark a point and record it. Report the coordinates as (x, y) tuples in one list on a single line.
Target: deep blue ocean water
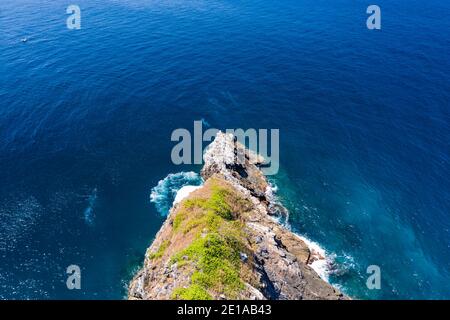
[(86, 117)]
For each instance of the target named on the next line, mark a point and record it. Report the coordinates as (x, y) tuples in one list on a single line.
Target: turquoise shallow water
[(86, 118)]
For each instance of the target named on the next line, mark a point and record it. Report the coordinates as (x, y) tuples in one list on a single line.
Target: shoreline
[(221, 241), (319, 260)]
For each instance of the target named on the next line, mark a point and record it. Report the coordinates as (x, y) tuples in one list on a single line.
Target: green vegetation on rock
[(215, 250), (159, 253), (194, 292), (216, 203)]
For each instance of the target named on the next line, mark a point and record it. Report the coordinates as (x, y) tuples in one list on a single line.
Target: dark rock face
[(276, 262)]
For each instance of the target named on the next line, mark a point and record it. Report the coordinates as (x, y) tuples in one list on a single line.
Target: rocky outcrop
[(221, 242)]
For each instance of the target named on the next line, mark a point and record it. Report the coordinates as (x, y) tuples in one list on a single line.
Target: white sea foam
[(320, 259), (184, 192), (165, 192)]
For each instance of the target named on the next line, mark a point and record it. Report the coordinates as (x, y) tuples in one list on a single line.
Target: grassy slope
[(210, 219)]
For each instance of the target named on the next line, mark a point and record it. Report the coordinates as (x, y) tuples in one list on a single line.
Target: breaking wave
[(324, 263), (165, 192)]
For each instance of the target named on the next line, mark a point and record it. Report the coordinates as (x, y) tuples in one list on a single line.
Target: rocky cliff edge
[(222, 241)]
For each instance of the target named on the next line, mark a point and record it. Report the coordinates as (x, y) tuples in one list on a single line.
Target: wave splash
[(324, 263), (164, 193)]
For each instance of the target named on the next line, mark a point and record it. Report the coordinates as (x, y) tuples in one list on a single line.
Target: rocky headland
[(221, 241)]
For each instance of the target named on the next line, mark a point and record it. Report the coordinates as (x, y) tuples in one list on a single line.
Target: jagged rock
[(272, 262)]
